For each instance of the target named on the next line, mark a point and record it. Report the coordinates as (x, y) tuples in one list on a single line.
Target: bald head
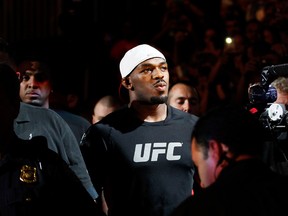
[(104, 106)]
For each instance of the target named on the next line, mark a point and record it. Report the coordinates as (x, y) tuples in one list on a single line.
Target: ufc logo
[(149, 151)]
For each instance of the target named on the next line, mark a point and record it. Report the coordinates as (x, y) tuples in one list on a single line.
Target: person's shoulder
[(179, 114), (30, 113), (28, 109), (118, 119), (119, 115), (72, 118)]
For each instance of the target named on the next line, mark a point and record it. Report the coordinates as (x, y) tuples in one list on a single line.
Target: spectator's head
[(104, 106), (185, 97)]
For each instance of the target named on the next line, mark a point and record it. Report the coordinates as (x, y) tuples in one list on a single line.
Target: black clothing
[(145, 167), (275, 152), (245, 188), (34, 180), (38, 121), (77, 123)]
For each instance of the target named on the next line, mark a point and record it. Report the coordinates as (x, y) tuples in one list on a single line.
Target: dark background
[(74, 37)]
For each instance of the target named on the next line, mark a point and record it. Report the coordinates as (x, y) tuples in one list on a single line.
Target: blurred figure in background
[(185, 97), (104, 106)]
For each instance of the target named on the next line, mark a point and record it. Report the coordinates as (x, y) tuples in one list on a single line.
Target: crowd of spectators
[(191, 35)]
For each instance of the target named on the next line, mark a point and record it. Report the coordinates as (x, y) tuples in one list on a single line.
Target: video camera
[(273, 116), (263, 92)]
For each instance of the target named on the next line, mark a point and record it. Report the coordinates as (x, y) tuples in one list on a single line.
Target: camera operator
[(275, 119), (281, 85)]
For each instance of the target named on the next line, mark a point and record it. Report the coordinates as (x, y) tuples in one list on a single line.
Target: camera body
[(263, 92), (274, 117), (258, 94)]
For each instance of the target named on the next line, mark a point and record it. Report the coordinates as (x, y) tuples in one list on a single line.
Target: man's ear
[(216, 150), (126, 83), (18, 75), (215, 147)]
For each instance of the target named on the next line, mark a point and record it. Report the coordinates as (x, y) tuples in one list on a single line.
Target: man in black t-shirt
[(140, 155)]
